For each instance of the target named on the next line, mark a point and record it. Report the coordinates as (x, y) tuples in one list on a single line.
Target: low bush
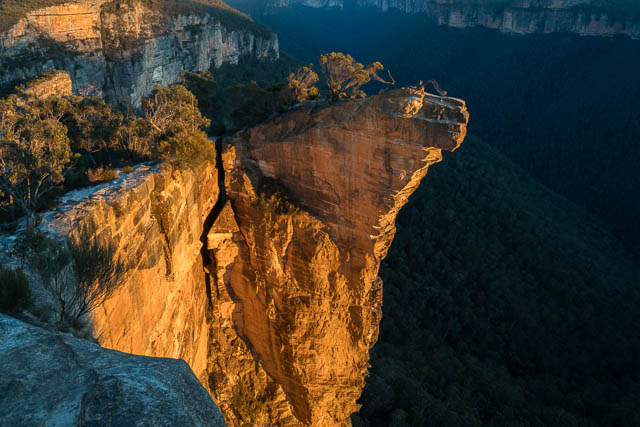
[(15, 294)]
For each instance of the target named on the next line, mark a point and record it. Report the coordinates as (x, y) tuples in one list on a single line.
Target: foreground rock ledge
[(55, 379)]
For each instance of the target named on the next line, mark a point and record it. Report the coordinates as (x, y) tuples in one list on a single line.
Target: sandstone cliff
[(55, 379), (303, 291), (263, 275), (54, 83), (155, 217), (585, 17), (121, 49)]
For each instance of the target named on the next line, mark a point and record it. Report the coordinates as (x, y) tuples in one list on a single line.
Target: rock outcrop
[(55, 379), (303, 293), (263, 276), (584, 17), (121, 49), (54, 83)]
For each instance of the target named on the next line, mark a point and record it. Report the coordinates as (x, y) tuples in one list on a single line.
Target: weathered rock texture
[(122, 49), (276, 315), (303, 293), (585, 17), (57, 380), (55, 83), (156, 219)]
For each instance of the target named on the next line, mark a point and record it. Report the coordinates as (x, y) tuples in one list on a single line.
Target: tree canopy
[(344, 76)]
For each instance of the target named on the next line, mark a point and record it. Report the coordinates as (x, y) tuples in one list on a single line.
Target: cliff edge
[(315, 195), (584, 17), (262, 274)]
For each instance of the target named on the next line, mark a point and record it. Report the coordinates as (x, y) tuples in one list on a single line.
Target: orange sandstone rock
[(304, 285)]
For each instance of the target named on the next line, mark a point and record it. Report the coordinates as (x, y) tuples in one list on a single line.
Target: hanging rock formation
[(267, 284), (121, 49), (303, 290)]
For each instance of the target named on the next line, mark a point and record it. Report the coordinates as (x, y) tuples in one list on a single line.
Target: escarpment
[(304, 292), (263, 274), (585, 17), (121, 49)]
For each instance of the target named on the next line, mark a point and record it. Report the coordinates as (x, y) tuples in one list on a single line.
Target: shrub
[(344, 76), (15, 294), (34, 153), (79, 276), (101, 174), (29, 243), (300, 85)]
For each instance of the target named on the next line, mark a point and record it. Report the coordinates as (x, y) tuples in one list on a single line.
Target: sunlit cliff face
[(273, 305)]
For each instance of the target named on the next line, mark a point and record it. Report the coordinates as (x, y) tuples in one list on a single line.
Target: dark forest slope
[(504, 304)]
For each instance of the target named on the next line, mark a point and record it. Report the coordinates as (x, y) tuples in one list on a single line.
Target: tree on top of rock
[(344, 76), (178, 124), (300, 85), (34, 153)]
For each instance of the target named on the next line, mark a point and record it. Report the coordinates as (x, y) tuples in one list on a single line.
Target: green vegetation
[(274, 199), (234, 107), (344, 76), (504, 304), (15, 294), (34, 152), (249, 70), (300, 87), (244, 405), (60, 143), (80, 275), (177, 123)]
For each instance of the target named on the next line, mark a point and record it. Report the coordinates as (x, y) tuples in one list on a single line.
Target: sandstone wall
[(121, 50), (515, 16), (156, 219), (300, 290)]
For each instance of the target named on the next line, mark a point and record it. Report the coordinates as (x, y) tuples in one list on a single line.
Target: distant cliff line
[(121, 49), (584, 17)]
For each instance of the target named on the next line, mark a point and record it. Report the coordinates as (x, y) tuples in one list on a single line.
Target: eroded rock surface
[(57, 380), (155, 216), (122, 49), (303, 292)]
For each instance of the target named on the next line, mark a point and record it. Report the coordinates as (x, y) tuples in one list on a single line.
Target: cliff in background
[(273, 303), (585, 17), (121, 49)]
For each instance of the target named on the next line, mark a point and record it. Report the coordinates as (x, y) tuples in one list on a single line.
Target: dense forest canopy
[(503, 305)]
